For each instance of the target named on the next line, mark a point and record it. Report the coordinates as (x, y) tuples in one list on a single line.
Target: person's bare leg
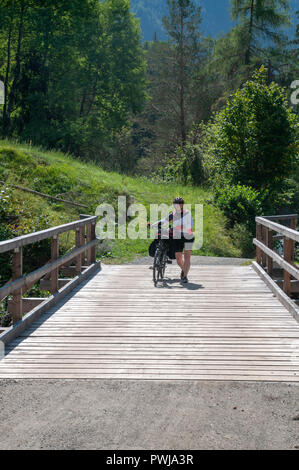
[(179, 260), (187, 262)]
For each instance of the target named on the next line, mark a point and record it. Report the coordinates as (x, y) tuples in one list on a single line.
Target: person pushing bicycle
[(183, 237)]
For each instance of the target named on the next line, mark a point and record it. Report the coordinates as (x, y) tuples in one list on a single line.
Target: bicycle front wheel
[(156, 267)]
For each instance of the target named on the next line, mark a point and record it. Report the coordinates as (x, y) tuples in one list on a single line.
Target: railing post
[(54, 256), (93, 254), (287, 254), (79, 257), (264, 240), (17, 271), (293, 223), (82, 242), (88, 240), (293, 226), (269, 243), (259, 238)]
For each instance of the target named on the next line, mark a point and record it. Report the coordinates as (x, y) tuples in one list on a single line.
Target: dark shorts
[(182, 244)]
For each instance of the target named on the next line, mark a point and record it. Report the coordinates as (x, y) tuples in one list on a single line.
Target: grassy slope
[(61, 175)]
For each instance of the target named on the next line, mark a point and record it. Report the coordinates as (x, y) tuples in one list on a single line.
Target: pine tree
[(182, 26), (260, 19)]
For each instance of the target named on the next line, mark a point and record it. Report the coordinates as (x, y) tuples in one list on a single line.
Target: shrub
[(255, 144), (243, 239), (185, 166), (240, 204)]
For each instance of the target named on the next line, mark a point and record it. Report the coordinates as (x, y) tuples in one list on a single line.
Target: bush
[(185, 167), (243, 239), (240, 204), (255, 144)]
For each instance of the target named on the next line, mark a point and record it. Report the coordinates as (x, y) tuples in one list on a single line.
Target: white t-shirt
[(182, 223)]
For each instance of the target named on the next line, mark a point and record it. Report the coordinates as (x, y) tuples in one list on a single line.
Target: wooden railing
[(83, 253), (267, 231)]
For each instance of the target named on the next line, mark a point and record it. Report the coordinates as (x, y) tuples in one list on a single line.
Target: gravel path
[(130, 414), (115, 414)]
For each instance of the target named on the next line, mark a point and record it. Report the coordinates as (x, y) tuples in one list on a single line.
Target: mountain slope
[(215, 14), (61, 175)]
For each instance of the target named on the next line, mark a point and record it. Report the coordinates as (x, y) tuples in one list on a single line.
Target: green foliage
[(35, 291), (185, 167), (242, 238), (74, 72), (255, 144), (51, 180), (180, 90), (91, 185), (259, 37), (260, 19), (240, 204)]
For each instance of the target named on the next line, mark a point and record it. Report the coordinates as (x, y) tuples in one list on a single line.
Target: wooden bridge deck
[(225, 325)]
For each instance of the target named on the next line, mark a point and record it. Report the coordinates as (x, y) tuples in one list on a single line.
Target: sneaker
[(185, 280), (182, 274)]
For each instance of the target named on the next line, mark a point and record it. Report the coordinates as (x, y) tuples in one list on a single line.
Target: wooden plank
[(54, 256), (282, 217), (259, 237), (281, 229), (12, 332), (215, 333), (287, 254), (28, 303), (78, 259), (278, 259), (156, 376), (93, 251), (89, 237), (283, 298), (25, 282), (269, 243), (16, 306), (131, 362), (24, 240)]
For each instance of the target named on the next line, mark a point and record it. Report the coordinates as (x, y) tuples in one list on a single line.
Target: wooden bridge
[(228, 323)]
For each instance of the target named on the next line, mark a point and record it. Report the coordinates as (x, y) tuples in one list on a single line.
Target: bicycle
[(161, 256)]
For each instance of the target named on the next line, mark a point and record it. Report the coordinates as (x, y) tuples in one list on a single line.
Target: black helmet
[(178, 200)]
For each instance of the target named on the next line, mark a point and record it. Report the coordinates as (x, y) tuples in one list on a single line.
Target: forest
[(212, 112), (215, 15)]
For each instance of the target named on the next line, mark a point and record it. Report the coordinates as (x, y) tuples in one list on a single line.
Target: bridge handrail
[(265, 253), (281, 229), (84, 252), (30, 238)]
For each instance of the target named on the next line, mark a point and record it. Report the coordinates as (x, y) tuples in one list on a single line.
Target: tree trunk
[(5, 123), (12, 95), (248, 51), (182, 83)]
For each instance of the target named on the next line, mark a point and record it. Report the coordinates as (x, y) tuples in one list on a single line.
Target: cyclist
[(183, 237)]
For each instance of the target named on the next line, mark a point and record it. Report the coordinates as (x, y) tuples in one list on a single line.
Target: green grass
[(62, 175)]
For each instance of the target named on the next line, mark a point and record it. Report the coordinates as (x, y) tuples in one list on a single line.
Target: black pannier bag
[(153, 246)]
